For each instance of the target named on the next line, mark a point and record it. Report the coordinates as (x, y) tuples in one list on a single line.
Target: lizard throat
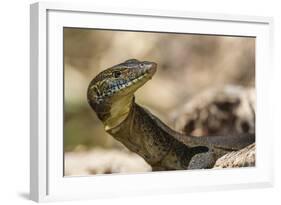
[(121, 105), (119, 111)]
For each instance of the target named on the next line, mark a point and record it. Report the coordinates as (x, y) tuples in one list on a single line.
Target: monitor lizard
[(111, 96)]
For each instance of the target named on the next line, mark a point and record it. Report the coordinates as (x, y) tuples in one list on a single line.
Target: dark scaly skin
[(111, 95)]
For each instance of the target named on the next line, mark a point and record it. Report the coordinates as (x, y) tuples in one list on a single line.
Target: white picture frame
[(46, 145)]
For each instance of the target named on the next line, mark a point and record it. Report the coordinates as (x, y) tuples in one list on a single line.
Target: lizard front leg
[(203, 160)]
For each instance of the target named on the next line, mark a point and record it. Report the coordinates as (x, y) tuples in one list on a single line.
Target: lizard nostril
[(152, 68)]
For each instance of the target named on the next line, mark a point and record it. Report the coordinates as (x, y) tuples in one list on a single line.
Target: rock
[(103, 161), (242, 158), (225, 111), (222, 111)]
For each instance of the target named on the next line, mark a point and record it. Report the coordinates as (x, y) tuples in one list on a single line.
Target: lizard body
[(111, 96)]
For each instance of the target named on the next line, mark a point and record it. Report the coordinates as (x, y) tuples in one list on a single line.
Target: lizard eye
[(141, 65), (116, 74)]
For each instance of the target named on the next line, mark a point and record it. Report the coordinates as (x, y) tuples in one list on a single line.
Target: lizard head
[(119, 81)]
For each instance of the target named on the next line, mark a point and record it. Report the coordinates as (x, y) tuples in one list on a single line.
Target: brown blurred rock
[(225, 111), (221, 111), (242, 158), (103, 161)]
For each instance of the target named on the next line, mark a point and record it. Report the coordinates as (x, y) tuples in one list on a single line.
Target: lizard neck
[(118, 111)]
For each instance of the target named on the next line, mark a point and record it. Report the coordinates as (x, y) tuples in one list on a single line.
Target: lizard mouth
[(133, 84)]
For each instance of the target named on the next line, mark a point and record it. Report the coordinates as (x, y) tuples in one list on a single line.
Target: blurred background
[(187, 66)]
